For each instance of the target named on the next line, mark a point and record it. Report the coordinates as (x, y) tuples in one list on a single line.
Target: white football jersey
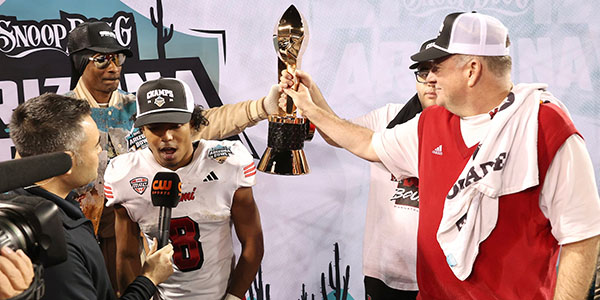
[(200, 224)]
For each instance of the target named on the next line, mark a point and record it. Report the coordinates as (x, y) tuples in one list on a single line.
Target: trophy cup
[(287, 132)]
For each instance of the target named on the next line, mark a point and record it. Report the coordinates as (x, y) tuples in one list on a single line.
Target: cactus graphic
[(163, 35), (323, 287), (304, 295), (339, 292), (262, 293)]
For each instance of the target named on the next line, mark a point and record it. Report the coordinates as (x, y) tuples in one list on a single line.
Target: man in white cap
[(393, 205), (498, 167)]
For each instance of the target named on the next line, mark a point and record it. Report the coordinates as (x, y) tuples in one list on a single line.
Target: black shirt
[(83, 275)]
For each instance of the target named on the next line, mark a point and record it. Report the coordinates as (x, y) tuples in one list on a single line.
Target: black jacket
[(83, 275)]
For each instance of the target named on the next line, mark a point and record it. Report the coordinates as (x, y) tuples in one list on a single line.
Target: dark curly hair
[(198, 119)]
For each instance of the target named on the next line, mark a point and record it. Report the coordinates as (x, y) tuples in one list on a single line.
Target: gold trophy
[(287, 132)]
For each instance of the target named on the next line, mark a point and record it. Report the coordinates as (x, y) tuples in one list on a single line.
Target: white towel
[(505, 163)]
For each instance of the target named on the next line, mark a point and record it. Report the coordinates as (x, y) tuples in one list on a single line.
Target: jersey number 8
[(184, 235)]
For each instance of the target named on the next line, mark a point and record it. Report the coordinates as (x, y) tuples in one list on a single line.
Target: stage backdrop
[(358, 52)]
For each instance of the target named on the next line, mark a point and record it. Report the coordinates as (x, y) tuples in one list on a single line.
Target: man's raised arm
[(351, 137)]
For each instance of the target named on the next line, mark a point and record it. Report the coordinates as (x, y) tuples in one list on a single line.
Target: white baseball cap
[(467, 33)]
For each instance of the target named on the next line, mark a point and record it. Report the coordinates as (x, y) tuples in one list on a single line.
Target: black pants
[(375, 289)]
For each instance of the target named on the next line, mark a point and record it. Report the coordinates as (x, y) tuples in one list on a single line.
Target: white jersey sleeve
[(247, 175), (569, 197), (127, 181), (115, 175), (397, 148)]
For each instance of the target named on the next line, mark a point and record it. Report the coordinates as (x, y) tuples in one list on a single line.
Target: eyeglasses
[(421, 75), (103, 60)]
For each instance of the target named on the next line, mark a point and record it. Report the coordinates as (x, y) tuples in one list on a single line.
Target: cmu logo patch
[(139, 184), (219, 153)]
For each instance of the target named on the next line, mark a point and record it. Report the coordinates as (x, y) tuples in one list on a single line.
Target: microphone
[(165, 192), (28, 170)]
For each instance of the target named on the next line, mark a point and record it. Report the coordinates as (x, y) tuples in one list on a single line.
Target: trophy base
[(283, 162)]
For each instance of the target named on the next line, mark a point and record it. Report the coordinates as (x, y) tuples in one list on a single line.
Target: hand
[(302, 99), (158, 266), (283, 99), (270, 103), (16, 272), (286, 79)]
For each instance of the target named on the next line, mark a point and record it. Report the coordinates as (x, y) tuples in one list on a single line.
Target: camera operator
[(50, 123), (16, 273)]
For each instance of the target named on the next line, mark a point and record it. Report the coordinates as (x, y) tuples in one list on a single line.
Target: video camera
[(32, 223)]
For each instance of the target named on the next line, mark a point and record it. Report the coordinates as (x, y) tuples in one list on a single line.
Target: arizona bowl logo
[(219, 153), (139, 184)]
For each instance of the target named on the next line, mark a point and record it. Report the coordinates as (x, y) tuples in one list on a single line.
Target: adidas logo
[(437, 150), (211, 177)]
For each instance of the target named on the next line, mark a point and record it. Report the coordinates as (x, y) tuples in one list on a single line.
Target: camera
[(33, 225)]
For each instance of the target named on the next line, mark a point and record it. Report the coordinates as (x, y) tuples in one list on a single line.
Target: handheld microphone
[(165, 192), (28, 170)]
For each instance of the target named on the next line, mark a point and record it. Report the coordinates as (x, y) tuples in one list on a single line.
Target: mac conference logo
[(139, 184)]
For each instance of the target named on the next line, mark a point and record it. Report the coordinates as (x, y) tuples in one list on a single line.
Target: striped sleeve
[(113, 181), (249, 170), (245, 163), (108, 192)]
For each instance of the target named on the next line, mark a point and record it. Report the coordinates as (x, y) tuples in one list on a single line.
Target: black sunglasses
[(102, 61)]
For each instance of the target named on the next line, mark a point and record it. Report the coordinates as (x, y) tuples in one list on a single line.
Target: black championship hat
[(425, 46), (96, 36), (164, 100), (467, 33)]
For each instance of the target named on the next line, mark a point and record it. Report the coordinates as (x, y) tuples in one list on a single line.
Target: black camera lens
[(14, 231), (33, 225)]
